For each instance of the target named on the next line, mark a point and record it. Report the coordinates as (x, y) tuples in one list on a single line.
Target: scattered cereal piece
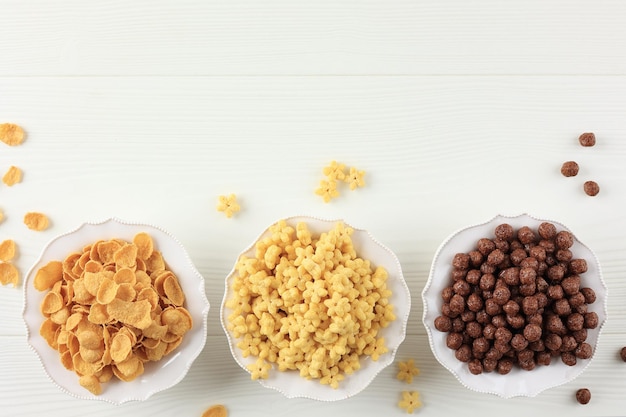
[(228, 205), (217, 410), (583, 396), (355, 178), (335, 171), (11, 134), (410, 401), (622, 353), (591, 188), (107, 319), (327, 190), (36, 221), (7, 250), (12, 176), (587, 139), (407, 371), (9, 274), (1, 216), (569, 169)]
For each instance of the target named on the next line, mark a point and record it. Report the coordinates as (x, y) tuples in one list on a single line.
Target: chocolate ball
[(443, 324), (587, 139), (564, 239), (569, 169), (461, 261), (591, 188), (532, 332), (583, 396)]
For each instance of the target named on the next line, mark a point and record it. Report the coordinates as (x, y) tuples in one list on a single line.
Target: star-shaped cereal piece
[(410, 401), (407, 371), (228, 205), (327, 190), (335, 171), (355, 178), (259, 369)]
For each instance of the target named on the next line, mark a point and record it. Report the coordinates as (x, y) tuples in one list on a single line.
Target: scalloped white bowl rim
[(290, 383), (518, 383), (158, 376)]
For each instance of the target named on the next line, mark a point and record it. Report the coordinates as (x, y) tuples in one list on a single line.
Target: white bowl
[(518, 382), (290, 383), (157, 376)]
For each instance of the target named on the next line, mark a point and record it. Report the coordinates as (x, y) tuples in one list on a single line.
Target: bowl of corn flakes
[(115, 311), (514, 306), (315, 308)]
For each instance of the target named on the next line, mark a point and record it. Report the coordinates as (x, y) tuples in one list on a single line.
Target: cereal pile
[(517, 299), (111, 308), (308, 303)]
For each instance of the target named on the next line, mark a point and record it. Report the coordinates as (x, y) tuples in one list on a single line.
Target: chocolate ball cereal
[(587, 139), (583, 396), (515, 300), (569, 169), (622, 353), (591, 188)]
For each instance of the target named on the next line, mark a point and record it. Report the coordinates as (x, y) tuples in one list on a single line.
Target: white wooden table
[(458, 111)]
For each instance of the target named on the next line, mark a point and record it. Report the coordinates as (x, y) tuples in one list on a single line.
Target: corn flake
[(9, 274), (36, 221), (12, 176), (11, 134), (217, 410)]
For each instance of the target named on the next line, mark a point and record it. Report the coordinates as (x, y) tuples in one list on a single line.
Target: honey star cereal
[(410, 401), (111, 308), (407, 370), (36, 221), (228, 205), (11, 134), (308, 304), (12, 176)]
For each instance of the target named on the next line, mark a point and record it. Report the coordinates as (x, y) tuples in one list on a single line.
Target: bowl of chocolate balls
[(514, 306)]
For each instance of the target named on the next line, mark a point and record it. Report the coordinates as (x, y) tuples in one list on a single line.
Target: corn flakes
[(105, 317), (308, 304), (217, 410), (7, 250), (11, 134), (12, 176), (36, 221), (9, 274)]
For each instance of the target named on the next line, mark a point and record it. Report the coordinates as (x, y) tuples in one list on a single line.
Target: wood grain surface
[(458, 111)]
